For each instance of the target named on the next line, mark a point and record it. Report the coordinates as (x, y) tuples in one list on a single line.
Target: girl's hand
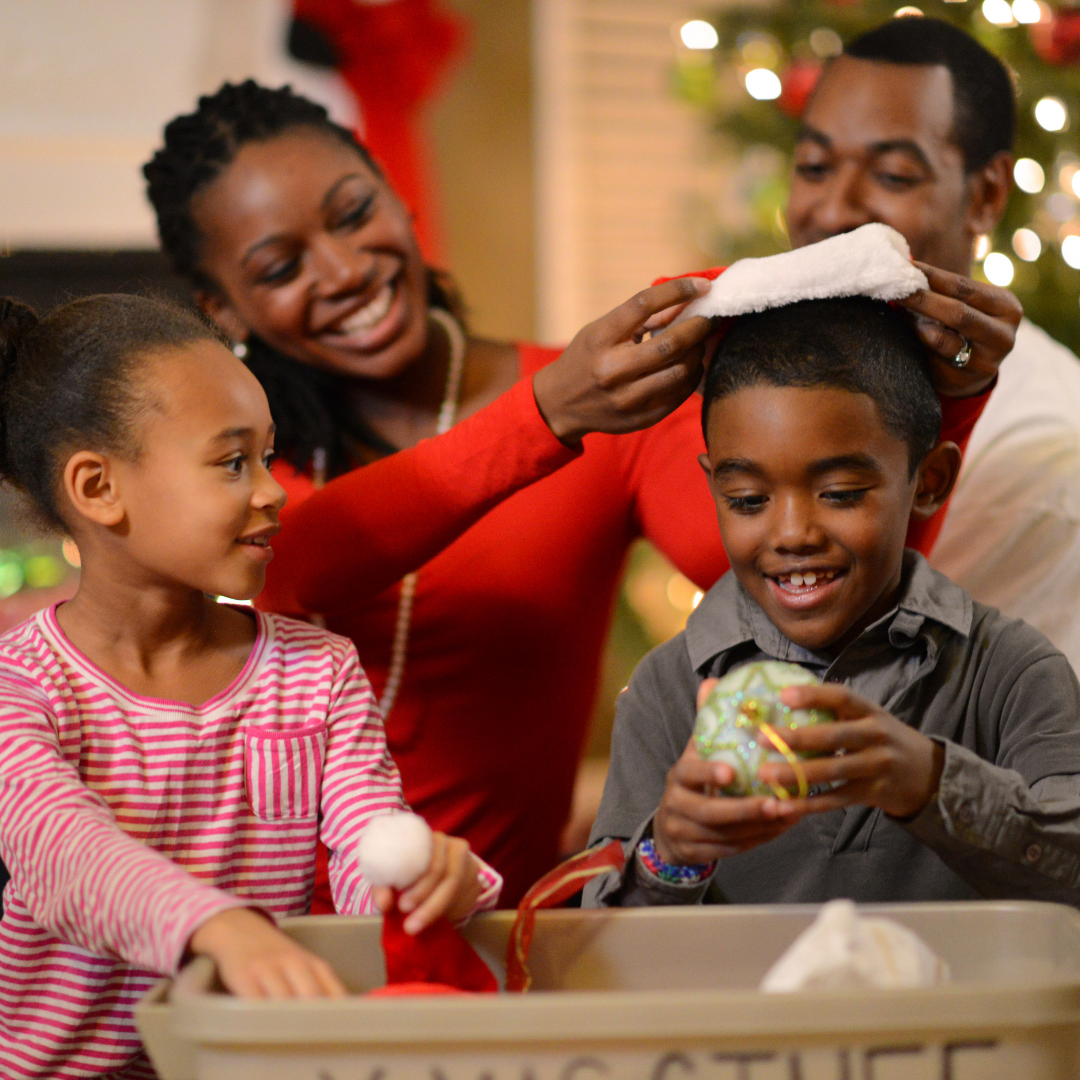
[(450, 887), (256, 960), (956, 308), (609, 378), (885, 763)]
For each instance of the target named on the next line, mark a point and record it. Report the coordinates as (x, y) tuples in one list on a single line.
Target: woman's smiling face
[(813, 496), (316, 255)]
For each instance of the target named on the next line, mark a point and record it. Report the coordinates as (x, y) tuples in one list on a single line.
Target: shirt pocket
[(283, 771)]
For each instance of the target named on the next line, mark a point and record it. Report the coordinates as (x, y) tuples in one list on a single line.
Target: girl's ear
[(935, 480), (219, 311), (91, 487)]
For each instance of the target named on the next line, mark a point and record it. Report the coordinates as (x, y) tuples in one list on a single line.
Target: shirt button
[(1033, 853)]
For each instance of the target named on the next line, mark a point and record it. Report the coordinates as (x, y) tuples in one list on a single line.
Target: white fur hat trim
[(395, 849), (873, 260)]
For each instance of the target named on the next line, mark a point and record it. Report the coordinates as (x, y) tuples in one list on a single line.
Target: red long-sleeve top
[(512, 608)]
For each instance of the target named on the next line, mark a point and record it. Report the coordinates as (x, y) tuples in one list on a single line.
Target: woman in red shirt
[(486, 663)]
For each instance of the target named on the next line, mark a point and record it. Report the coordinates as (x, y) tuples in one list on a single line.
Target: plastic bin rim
[(623, 1015)]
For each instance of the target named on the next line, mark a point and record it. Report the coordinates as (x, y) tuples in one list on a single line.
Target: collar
[(728, 616)]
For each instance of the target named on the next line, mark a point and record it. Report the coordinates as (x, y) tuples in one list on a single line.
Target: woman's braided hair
[(308, 405), (68, 382)]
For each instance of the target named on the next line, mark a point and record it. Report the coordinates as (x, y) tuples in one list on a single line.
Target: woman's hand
[(450, 887), (884, 763), (956, 308), (609, 378), (256, 960)]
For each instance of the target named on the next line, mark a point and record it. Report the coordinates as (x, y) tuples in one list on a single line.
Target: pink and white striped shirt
[(127, 821)]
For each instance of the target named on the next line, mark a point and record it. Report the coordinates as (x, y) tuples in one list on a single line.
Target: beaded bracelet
[(676, 875)]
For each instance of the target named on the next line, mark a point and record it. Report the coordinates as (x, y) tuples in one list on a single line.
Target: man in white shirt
[(913, 126), (1012, 532)]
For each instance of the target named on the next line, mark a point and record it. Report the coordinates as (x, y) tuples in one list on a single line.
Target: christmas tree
[(750, 69)]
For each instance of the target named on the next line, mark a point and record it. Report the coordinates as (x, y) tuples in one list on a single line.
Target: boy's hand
[(256, 960), (885, 763), (450, 887), (694, 826), (955, 309)]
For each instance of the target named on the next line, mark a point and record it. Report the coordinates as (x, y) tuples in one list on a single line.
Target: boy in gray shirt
[(953, 771)]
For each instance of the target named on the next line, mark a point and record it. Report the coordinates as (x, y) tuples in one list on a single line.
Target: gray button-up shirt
[(993, 691)]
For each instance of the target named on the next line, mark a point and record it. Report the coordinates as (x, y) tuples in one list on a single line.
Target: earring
[(240, 349)]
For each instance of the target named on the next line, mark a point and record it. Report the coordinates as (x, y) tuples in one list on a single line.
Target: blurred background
[(558, 154)]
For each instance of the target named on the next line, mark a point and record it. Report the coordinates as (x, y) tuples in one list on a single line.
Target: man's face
[(876, 145), (813, 498)]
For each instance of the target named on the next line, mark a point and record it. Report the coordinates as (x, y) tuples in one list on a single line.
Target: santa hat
[(395, 850), (873, 260)]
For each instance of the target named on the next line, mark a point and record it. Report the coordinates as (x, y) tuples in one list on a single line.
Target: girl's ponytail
[(16, 321)]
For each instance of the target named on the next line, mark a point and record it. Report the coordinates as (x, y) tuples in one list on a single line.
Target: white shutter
[(619, 157)]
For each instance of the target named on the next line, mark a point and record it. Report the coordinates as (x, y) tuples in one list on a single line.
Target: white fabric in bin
[(872, 260), (843, 950)]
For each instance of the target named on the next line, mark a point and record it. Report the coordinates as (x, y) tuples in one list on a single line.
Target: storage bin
[(652, 994)]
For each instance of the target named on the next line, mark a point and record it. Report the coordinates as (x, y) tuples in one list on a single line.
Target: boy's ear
[(935, 479), (218, 309), (91, 487)]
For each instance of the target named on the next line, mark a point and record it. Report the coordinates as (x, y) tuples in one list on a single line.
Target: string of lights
[(750, 69)]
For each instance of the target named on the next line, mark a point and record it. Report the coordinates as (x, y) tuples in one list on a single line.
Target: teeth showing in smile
[(370, 313), (808, 579), (258, 541)]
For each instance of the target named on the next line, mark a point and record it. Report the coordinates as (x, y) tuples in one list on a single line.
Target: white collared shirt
[(1012, 534)]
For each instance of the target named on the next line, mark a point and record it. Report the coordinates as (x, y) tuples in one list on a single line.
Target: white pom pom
[(395, 850)]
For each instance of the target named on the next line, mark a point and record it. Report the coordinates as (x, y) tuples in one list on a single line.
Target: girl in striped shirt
[(167, 763)]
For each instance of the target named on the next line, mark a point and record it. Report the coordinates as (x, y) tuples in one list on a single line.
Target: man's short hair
[(855, 344), (984, 110)]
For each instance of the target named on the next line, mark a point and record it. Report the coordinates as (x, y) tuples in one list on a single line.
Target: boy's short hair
[(854, 344)]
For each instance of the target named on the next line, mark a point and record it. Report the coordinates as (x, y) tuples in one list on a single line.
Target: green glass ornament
[(743, 723)]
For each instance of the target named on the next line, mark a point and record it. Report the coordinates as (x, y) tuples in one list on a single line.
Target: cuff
[(202, 907), (636, 886), (491, 884)]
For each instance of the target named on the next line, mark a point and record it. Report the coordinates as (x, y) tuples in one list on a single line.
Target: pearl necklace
[(447, 415)]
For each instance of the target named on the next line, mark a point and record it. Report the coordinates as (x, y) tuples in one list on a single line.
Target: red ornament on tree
[(1057, 39), (796, 85)]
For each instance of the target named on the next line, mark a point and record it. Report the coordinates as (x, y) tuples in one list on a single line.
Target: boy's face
[(813, 498)]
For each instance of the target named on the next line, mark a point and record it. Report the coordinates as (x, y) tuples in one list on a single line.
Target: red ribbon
[(552, 889)]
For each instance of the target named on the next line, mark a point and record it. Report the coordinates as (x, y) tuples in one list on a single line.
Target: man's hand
[(256, 960), (956, 307), (610, 378), (884, 763), (449, 887)]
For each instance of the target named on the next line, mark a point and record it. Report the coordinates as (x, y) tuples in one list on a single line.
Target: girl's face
[(315, 255), (198, 505)]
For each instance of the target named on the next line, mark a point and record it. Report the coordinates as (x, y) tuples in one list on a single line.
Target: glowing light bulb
[(826, 42), (1029, 175), (1027, 11), (997, 12), (1051, 114), (698, 34), (907, 12), (1070, 251), (763, 84), (998, 268), (1027, 245)]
